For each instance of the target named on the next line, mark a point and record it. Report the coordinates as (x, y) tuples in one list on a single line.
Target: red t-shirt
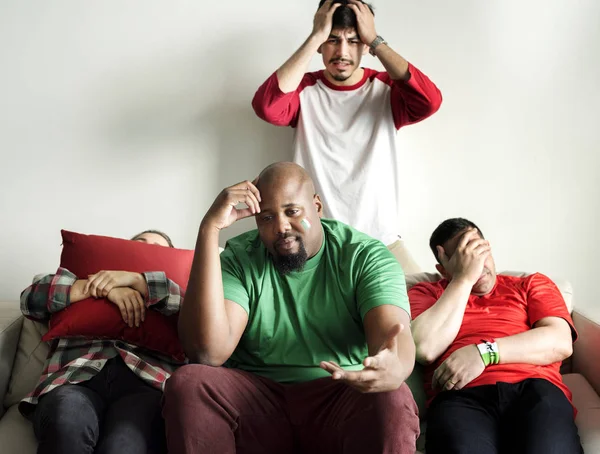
[(513, 306)]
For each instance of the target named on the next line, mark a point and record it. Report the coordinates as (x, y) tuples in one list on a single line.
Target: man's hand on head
[(460, 368), (365, 21), (323, 21), (381, 372), (467, 261), (223, 211)]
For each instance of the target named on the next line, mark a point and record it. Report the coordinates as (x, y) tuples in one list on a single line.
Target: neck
[(355, 78), (319, 243)]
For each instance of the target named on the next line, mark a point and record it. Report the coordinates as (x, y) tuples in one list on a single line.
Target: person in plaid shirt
[(101, 396)]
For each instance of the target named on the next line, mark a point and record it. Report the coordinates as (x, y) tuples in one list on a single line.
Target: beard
[(287, 263), (342, 77)]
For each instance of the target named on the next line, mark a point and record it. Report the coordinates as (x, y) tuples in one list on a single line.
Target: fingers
[(100, 284), (336, 371), (466, 237), (122, 309), (474, 244), (142, 304), (92, 284), (444, 378), (333, 8), (245, 192), (130, 311), (137, 310), (372, 362)]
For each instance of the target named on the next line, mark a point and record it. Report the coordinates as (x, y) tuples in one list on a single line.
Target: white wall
[(117, 116)]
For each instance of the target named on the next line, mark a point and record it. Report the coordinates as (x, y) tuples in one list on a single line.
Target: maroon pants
[(227, 411)]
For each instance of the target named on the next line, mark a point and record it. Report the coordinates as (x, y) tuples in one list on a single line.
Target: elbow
[(205, 358), (424, 356), (564, 351), (431, 106)]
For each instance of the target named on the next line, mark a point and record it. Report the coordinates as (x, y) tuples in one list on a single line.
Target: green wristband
[(489, 353)]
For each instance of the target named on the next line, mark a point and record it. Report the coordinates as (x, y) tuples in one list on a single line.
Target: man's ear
[(442, 271), (319, 49), (365, 49), (318, 205)]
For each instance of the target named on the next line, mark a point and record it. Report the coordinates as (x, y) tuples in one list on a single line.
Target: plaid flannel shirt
[(76, 360)]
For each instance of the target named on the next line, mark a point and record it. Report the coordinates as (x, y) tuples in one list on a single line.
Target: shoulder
[(380, 76), (245, 248), (434, 289), (310, 79), (358, 251), (343, 236)]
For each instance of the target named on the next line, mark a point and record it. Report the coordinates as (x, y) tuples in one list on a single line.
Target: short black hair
[(344, 17), (157, 232), (448, 230)]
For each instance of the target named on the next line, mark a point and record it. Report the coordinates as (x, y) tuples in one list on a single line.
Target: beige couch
[(22, 355)]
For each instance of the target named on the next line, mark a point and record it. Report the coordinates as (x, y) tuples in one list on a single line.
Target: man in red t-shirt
[(492, 346)]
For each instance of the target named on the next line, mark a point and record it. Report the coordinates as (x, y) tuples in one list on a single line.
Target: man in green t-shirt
[(310, 319)]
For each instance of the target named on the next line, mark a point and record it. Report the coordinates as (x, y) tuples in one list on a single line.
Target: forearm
[(290, 74), (203, 323), (539, 346), (436, 328), (77, 292), (395, 65), (139, 283), (406, 354)]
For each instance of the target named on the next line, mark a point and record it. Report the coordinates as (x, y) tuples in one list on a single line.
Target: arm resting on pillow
[(52, 293), (163, 295)]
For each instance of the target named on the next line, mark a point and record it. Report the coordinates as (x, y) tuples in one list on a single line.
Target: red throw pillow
[(99, 318)]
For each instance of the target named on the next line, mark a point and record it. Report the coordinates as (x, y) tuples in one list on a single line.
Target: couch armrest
[(585, 350), (11, 320)]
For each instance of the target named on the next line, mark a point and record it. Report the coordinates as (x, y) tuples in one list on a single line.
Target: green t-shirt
[(298, 320)]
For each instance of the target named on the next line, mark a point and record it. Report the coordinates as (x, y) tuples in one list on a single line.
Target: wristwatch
[(376, 42)]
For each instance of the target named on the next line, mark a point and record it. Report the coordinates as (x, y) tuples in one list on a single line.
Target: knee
[(543, 396), (398, 406), (66, 410), (187, 378), (69, 402)]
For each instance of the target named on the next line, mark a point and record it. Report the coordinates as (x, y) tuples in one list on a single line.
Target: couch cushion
[(587, 403), (29, 362), (11, 321), (16, 433)]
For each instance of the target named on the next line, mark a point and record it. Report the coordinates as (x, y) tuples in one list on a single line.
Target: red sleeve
[(545, 300), (277, 107), (412, 100), (421, 297)]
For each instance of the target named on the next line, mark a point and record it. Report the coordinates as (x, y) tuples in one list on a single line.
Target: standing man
[(346, 117)]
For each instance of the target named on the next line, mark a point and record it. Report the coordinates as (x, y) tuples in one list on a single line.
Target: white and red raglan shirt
[(345, 138)]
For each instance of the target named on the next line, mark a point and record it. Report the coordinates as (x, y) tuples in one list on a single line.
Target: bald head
[(286, 175)]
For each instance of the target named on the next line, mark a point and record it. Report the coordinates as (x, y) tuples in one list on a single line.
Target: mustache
[(283, 236), (343, 60)]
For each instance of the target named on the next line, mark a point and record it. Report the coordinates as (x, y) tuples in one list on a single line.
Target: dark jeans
[(529, 417), (227, 411), (113, 413)]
